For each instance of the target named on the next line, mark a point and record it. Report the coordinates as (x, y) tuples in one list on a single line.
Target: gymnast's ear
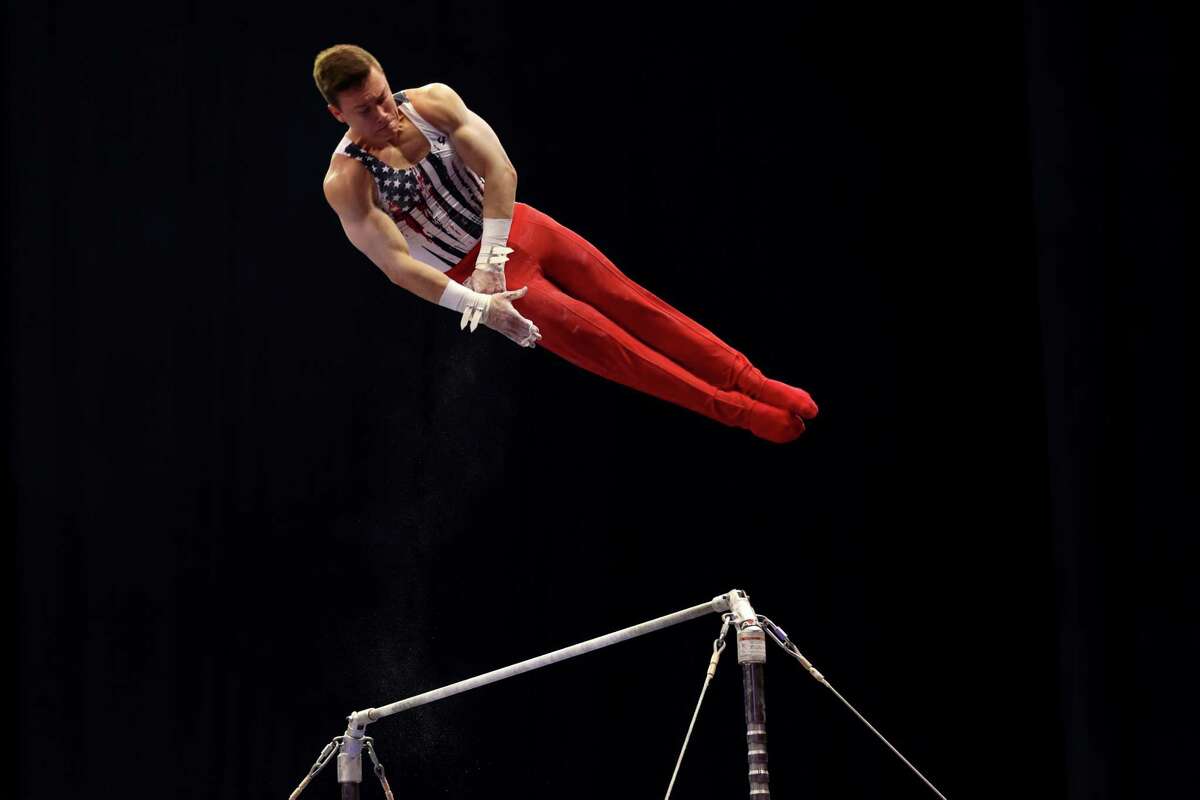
[(336, 113)]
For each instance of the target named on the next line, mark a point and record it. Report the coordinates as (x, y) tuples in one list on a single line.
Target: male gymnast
[(424, 189)]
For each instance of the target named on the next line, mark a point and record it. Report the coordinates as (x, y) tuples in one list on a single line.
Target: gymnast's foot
[(772, 423), (751, 381)]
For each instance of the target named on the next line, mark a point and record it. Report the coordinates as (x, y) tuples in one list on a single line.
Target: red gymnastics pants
[(595, 317)]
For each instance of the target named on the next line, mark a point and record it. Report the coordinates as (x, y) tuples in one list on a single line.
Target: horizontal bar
[(717, 605)]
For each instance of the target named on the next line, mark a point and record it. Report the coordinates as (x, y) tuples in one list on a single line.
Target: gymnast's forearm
[(421, 279), (376, 236)]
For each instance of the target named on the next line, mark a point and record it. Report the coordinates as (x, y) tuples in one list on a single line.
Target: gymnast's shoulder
[(347, 185), (439, 105)]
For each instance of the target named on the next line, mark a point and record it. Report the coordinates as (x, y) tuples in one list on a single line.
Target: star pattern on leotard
[(397, 187)]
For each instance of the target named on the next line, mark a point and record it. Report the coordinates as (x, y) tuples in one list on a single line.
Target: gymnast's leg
[(582, 335), (581, 271)]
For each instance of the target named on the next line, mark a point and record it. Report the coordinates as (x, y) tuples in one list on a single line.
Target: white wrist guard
[(493, 251), (473, 305)]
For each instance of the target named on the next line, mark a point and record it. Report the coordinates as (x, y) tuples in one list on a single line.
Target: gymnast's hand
[(499, 315), (486, 281), (488, 277)]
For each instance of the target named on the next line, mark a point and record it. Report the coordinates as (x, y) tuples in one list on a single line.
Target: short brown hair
[(341, 67)]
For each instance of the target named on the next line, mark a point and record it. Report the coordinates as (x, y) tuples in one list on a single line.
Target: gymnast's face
[(369, 110)]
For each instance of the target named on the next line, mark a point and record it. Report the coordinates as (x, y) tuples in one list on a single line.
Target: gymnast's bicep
[(367, 227)]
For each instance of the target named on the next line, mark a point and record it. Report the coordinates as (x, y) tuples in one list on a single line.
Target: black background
[(257, 486)]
